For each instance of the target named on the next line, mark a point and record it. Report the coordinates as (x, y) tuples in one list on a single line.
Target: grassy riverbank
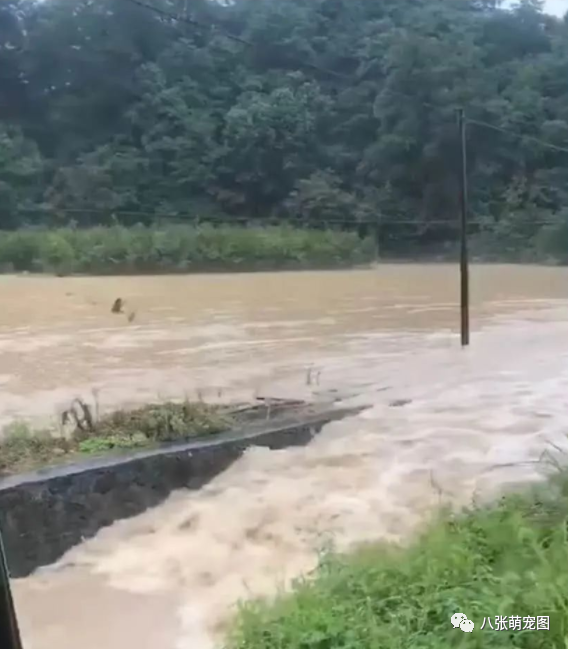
[(23, 449), (508, 560), (178, 248)]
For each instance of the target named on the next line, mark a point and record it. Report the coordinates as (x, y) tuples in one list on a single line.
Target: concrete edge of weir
[(43, 514)]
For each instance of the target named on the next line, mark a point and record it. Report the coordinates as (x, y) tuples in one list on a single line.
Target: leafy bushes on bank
[(23, 448), (508, 560), (177, 248)]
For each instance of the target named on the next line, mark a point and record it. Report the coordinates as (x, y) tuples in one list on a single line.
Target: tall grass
[(22, 448), (510, 560), (177, 248)]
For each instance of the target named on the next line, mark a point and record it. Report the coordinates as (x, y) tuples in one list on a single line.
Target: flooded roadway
[(477, 420)]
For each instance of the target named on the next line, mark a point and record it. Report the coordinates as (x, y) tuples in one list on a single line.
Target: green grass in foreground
[(177, 248), (507, 560), (22, 448)]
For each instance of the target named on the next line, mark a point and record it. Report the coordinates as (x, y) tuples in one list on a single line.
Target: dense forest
[(327, 113)]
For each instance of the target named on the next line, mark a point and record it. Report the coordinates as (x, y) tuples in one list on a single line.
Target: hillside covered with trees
[(326, 113)]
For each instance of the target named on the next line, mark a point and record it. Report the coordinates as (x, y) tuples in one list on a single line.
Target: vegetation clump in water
[(22, 448), (505, 564)]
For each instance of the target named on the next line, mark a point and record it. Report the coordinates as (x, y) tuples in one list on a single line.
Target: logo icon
[(460, 620)]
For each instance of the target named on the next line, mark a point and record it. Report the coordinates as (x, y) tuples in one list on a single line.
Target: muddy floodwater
[(476, 421)]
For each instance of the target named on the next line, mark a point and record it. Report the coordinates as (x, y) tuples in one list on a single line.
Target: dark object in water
[(117, 306), (400, 403)]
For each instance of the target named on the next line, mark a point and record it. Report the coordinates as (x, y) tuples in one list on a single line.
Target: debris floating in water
[(117, 306), (400, 403)]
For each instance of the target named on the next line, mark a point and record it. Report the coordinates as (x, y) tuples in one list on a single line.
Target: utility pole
[(377, 237), (9, 632), (464, 256)]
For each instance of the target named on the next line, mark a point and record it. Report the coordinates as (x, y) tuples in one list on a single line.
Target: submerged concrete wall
[(44, 514)]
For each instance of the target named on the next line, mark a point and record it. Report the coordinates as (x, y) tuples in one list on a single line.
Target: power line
[(192, 220), (508, 131), (326, 71), (292, 59), (238, 39)]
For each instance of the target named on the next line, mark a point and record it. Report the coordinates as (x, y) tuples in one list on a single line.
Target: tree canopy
[(319, 111)]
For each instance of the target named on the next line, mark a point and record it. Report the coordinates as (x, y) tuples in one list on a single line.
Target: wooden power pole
[(464, 255)]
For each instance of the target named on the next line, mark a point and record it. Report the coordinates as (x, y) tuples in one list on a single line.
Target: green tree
[(269, 142), (21, 169), (314, 109)]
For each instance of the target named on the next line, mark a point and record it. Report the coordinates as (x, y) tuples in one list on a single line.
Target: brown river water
[(479, 420)]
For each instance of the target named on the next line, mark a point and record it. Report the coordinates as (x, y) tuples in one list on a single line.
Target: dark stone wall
[(44, 514)]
